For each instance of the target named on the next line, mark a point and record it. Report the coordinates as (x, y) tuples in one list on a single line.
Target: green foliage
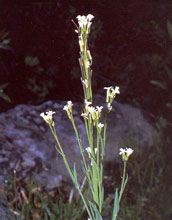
[(30, 202), (169, 27), (31, 61), (39, 88), (163, 78), (2, 94), (4, 41), (149, 193)]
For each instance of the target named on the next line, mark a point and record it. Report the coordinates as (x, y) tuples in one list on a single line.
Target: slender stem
[(105, 127), (62, 153), (95, 185), (98, 148), (80, 147), (85, 203), (123, 180), (94, 169), (69, 170)]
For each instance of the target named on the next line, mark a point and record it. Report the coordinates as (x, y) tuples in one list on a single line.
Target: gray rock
[(5, 214), (27, 140)]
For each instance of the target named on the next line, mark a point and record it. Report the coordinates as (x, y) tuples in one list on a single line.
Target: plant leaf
[(116, 206), (3, 86), (168, 71), (169, 27), (5, 97), (159, 84)]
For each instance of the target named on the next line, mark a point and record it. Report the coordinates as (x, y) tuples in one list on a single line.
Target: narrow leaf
[(3, 86), (159, 84), (169, 27), (116, 206), (5, 97), (169, 72)]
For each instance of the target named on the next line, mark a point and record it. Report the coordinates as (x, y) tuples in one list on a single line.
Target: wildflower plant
[(96, 133)]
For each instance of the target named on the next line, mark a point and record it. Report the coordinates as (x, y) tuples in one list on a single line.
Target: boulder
[(27, 144)]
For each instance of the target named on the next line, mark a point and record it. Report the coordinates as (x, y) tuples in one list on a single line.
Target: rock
[(26, 140), (4, 211)]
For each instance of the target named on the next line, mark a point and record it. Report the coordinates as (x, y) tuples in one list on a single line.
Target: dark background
[(130, 42), (131, 46)]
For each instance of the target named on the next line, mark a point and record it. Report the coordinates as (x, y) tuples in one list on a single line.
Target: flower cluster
[(110, 95), (125, 153), (92, 113), (99, 127), (85, 60), (85, 21), (48, 117), (84, 28), (68, 109)]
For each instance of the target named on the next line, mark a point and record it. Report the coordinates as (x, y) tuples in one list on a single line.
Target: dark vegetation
[(131, 45)]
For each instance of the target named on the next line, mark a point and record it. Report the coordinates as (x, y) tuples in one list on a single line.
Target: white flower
[(85, 115), (87, 103), (109, 106), (99, 108), (111, 93), (122, 151), (129, 151), (79, 17), (108, 88), (98, 111), (68, 107), (126, 153), (92, 113), (69, 103), (88, 149), (89, 24), (48, 116), (84, 21), (100, 125), (91, 110), (90, 17), (117, 90)]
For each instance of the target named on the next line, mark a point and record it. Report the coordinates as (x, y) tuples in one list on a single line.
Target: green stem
[(62, 152), (95, 185), (123, 180), (69, 170), (98, 148), (105, 128), (80, 147)]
